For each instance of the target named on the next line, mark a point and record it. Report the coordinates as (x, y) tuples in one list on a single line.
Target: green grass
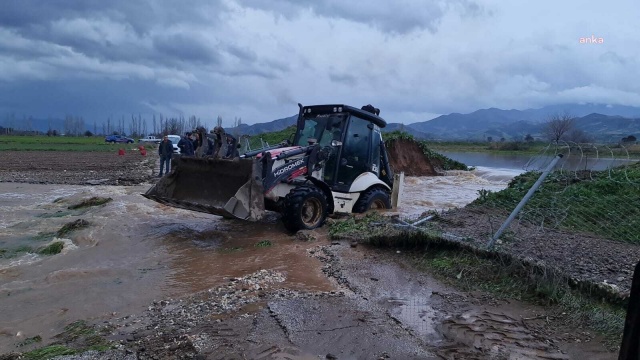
[(271, 138), (264, 243), (8, 253), (29, 341), (354, 227), (58, 143), (532, 148), (606, 203), (48, 352), (519, 147), (94, 201), (52, 249), (72, 226), (78, 337)]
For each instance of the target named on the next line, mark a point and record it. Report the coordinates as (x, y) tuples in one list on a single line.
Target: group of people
[(198, 143)]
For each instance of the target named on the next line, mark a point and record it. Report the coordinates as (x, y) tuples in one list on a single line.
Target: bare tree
[(557, 126), (133, 126), (171, 126), (219, 121), (144, 127), (579, 136)]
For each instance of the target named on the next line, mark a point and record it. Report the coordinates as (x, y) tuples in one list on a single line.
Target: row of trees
[(562, 127), (135, 127)]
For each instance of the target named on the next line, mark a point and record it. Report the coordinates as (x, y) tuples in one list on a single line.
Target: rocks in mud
[(93, 201), (306, 235), (330, 268), (96, 182), (72, 226), (173, 323)]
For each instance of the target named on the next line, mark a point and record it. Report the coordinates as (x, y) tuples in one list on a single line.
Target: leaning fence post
[(524, 200)]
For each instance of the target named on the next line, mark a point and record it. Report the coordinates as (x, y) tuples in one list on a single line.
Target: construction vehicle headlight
[(335, 109), (336, 143), (340, 109)]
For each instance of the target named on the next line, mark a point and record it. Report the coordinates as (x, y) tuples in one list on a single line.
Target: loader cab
[(353, 136)]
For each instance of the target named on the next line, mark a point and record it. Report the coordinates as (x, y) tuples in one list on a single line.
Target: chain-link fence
[(592, 190)]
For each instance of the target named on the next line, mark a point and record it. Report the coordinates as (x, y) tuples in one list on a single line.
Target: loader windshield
[(323, 128)]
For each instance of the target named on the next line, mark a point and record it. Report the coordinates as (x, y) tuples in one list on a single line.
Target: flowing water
[(135, 251)]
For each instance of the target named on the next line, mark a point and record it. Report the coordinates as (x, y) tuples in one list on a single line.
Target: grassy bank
[(510, 280), (606, 203), (58, 143), (537, 148)]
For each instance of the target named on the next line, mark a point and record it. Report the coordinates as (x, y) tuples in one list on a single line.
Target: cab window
[(355, 156)]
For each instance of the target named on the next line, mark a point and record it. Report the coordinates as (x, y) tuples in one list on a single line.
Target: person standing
[(202, 149), (232, 147), (186, 146), (165, 150), (194, 141)]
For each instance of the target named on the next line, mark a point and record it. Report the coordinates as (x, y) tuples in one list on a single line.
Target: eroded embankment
[(472, 266)]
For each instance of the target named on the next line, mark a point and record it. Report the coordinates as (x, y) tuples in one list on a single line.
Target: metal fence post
[(524, 200)]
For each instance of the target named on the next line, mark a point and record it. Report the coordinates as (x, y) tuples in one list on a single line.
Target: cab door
[(356, 152)]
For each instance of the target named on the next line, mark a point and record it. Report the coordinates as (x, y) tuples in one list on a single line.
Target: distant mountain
[(255, 129), (515, 124), (580, 110), (498, 123), (605, 122)]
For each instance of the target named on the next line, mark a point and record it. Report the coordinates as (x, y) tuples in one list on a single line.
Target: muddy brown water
[(136, 251), (133, 252)]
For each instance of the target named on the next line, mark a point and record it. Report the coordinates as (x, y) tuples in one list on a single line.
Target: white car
[(174, 140)]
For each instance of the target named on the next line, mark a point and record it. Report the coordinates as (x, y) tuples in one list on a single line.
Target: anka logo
[(591, 40)]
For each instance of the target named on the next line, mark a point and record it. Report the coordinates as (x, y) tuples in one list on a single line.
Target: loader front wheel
[(305, 208), (373, 199)]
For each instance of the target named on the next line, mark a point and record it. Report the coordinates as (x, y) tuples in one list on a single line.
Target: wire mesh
[(594, 190)]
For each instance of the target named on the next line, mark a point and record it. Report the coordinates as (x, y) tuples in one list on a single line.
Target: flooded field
[(134, 252)]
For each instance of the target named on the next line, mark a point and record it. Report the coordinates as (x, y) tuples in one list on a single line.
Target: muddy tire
[(373, 199), (305, 208)]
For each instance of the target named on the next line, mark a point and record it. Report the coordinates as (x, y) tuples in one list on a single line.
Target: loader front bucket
[(229, 188)]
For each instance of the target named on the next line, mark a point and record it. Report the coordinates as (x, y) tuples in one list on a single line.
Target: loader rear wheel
[(373, 199), (305, 208)]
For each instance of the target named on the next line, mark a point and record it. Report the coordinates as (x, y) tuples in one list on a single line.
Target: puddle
[(415, 314)]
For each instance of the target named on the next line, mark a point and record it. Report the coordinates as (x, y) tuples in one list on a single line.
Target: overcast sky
[(256, 59)]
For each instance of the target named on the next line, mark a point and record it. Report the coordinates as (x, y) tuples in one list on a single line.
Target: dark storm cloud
[(118, 30), (397, 17), (184, 48), (253, 58), (141, 15)]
